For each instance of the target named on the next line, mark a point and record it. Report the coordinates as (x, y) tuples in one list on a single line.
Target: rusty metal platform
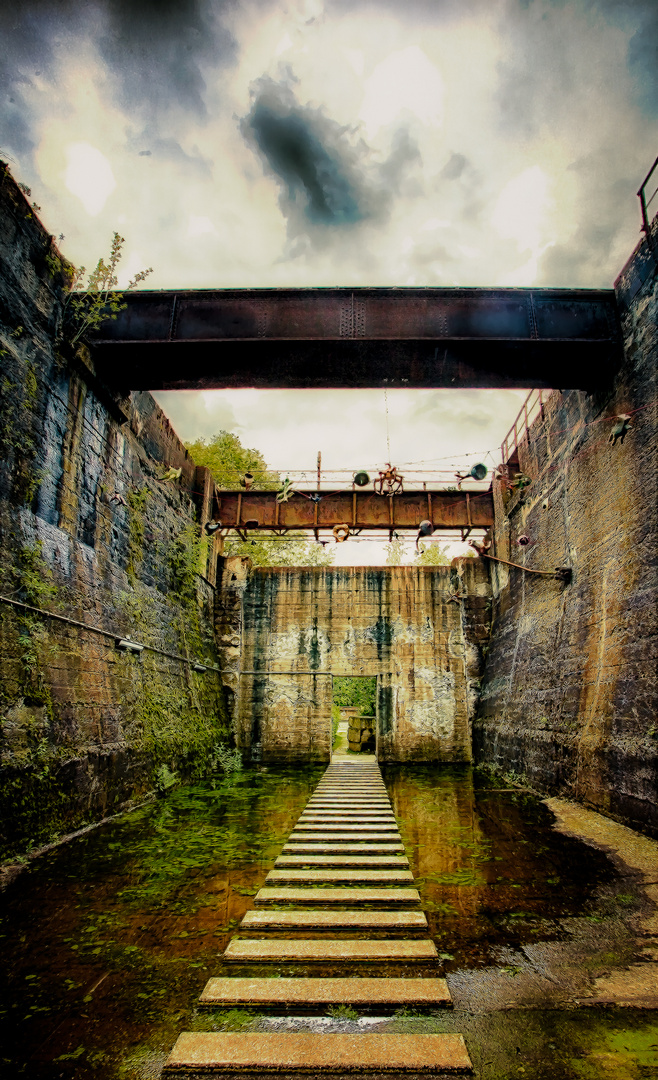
[(415, 337), (259, 510)]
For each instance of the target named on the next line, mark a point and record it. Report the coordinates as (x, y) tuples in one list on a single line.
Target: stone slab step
[(268, 950), (350, 800), (333, 920), (345, 877), (386, 896), (311, 847), (346, 819), (348, 783), (334, 837), (346, 791), (347, 813), (291, 993), (390, 861), (310, 1054), (350, 827)]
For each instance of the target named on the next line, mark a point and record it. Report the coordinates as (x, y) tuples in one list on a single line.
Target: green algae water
[(107, 941)]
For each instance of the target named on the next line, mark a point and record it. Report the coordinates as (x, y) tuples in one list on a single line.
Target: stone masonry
[(570, 694)]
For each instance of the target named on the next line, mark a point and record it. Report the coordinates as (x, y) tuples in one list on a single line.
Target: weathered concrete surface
[(379, 877), (570, 691), (90, 531), (319, 848), (322, 950), (324, 920), (341, 860), (291, 993), (420, 629), (312, 1053), (323, 896)]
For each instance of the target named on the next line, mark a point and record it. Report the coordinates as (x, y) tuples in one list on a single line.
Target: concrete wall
[(84, 727), (420, 629), (570, 690)]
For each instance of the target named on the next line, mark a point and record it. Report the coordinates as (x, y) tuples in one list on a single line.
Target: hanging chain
[(388, 437)]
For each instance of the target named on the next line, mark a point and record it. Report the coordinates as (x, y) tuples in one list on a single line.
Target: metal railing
[(532, 407), (644, 201)]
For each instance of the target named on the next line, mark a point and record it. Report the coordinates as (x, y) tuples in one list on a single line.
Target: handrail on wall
[(532, 407), (644, 202)]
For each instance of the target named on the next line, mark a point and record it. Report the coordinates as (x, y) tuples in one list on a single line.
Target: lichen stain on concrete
[(397, 623)]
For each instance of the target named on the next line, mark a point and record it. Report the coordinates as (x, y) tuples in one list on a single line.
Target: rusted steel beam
[(360, 337), (259, 510)]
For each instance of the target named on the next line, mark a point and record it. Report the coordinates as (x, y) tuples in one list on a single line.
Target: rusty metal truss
[(259, 511), (431, 337)]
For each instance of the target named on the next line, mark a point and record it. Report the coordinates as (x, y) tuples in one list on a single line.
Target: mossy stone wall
[(90, 531)]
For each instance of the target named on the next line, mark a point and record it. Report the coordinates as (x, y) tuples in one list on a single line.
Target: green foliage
[(356, 693), (228, 461), (431, 555), (342, 1012), (395, 552), (225, 758), (165, 779), (136, 501), (34, 576), (183, 556), (297, 552), (87, 306)]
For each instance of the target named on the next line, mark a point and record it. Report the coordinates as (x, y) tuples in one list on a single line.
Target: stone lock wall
[(285, 632), (570, 694), (89, 531)]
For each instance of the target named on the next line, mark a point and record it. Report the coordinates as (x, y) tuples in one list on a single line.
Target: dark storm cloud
[(158, 51), (155, 51), (308, 154), (327, 178)]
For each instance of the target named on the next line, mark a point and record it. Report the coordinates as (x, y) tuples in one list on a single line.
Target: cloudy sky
[(337, 142)]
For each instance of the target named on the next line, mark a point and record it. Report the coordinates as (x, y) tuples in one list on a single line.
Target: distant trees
[(228, 461), (357, 692), (426, 555)]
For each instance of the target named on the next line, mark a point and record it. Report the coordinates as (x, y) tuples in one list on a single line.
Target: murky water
[(107, 941)]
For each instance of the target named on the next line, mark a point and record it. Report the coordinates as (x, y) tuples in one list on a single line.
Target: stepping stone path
[(344, 852)]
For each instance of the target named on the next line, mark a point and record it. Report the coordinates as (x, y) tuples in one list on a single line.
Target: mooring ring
[(341, 533)]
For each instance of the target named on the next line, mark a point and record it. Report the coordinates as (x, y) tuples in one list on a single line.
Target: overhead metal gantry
[(261, 511), (408, 337)]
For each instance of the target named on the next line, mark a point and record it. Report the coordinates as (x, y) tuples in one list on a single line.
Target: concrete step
[(353, 782), (348, 792), (269, 950), (345, 877), (349, 818), (333, 920), (349, 806), (310, 1054), (355, 897), (349, 800), (347, 813), (310, 847), (372, 861), (320, 993), (348, 836), (376, 827)]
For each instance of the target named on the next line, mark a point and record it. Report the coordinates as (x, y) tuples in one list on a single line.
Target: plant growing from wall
[(88, 305)]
